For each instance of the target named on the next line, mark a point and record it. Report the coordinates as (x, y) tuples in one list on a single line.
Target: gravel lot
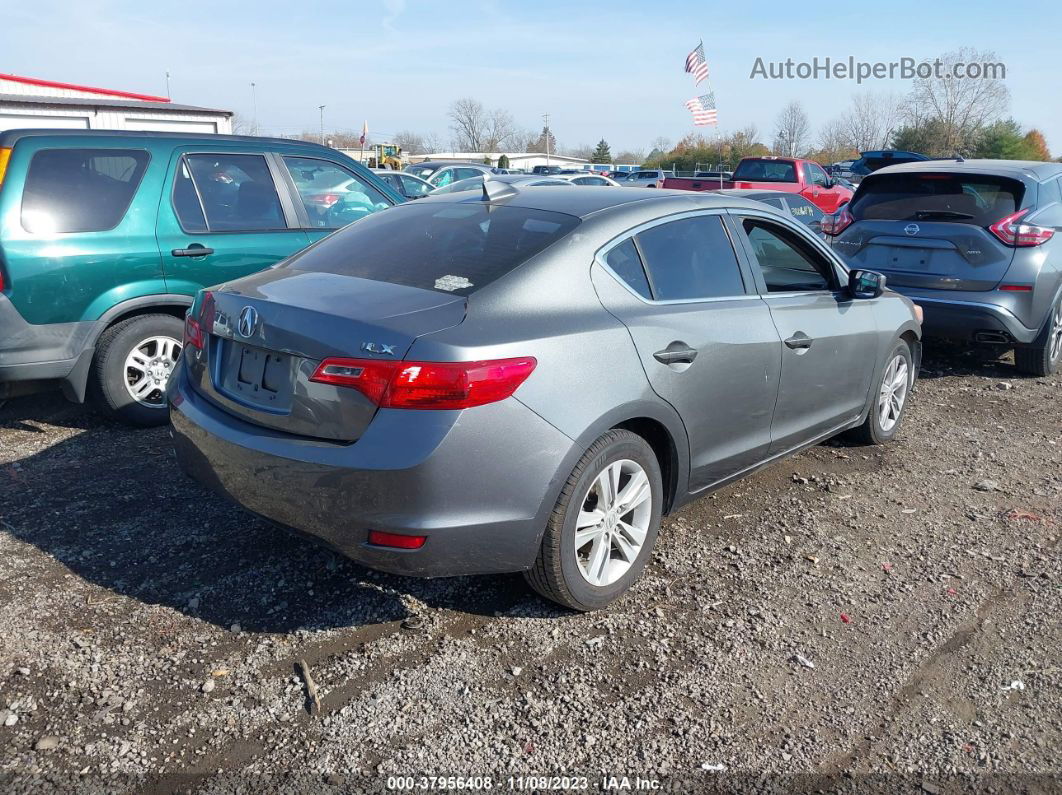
[(870, 618)]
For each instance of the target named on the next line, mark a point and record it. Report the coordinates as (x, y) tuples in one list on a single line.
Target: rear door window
[(332, 195), (236, 192), (691, 259), (956, 198), (80, 190), (451, 248)]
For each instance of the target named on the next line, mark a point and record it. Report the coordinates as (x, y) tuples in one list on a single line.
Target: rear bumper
[(479, 484), (970, 319)]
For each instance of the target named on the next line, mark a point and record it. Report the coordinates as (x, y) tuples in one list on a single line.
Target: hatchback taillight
[(837, 223), (428, 385), (1014, 233)]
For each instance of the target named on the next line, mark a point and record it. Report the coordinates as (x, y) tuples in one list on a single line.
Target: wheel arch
[(75, 384)]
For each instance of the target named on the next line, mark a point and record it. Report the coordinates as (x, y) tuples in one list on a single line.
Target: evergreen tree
[(602, 153)]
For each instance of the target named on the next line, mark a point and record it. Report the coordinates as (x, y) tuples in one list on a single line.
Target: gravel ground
[(862, 618)]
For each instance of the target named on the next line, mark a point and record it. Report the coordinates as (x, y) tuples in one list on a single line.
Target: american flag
[(703, 109), (697, 64)]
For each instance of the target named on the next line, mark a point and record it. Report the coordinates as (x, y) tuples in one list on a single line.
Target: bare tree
[(476, 129), (661, 144), (411, 142), (871, 120), (630, 156), (961, 106), (791, 130), (834, 141)]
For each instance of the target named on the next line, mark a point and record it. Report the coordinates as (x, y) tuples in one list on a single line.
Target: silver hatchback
[(527, 380)]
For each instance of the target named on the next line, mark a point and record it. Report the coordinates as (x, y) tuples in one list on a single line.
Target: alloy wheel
[(893, 393), (148, 367), (613, 522)]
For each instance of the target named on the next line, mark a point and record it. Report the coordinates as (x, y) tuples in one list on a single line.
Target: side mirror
[(866, 284)]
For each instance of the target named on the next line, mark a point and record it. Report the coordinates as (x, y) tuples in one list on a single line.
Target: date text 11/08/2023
[(524, 783)]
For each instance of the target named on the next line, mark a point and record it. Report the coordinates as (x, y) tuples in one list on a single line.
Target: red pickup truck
[(788, 174)]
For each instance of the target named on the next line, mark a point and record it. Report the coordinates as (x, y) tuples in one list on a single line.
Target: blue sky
[(611, 70)]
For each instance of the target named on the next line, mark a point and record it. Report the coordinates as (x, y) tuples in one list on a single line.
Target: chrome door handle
[(675, 355), (195, 250), (798, 341)]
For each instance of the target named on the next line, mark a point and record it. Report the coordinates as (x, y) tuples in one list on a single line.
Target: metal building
[(29, 102)]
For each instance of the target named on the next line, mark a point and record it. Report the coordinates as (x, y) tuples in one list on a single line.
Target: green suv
[(106, 236)]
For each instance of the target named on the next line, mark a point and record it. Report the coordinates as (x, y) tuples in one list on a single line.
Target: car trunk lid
[(267, 334), (930, 230)]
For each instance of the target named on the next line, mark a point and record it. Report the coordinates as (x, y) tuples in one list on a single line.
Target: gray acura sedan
[(528, 379)]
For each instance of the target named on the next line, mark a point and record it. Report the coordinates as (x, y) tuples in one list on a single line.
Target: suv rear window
[(957, 198), (80, 190), (452, 248), (765, 171)]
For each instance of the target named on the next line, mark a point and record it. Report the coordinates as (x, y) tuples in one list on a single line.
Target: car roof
[(586, 201), (1036, 169), (9, 137), (751, 193)]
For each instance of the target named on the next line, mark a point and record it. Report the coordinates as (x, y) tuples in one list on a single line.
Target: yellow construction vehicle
[(386, 156)]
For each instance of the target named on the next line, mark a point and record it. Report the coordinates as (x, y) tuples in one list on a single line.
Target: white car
[(588, 179)]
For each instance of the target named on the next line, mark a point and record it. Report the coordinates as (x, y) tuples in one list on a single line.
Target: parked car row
[(707, 333)]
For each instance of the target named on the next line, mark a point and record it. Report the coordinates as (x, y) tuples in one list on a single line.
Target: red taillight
[(1016, 288), (1013, 233), (325, 199), (428, 385), (837, 223), (396, 540), (193, 333)]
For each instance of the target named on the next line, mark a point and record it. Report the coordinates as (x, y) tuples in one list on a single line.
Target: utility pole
[(321, 108), (168, 84), (254, 110), (545, 119)]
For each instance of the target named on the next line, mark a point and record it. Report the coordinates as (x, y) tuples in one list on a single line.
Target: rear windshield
[(451, 248), (957, 198), (765, 171)]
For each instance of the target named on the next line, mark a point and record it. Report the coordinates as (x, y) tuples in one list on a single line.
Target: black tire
[(109, 386), (872, 430), (1038, 359), (556, 574)]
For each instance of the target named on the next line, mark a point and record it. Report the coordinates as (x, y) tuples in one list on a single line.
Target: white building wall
[(16, 114)]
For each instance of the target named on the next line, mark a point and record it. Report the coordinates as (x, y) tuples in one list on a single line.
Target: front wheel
[(134, 360), (604, 526), (1043, 356), (891, 390)]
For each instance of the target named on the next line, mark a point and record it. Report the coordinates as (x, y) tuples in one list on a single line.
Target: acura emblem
[(911, 229), (248, 321)]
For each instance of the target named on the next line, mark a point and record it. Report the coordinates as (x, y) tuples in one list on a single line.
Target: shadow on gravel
[(941, 358), (112, 506), (50, 408)]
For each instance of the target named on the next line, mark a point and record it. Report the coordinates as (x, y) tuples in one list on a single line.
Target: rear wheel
[(892, 387), (1043, 356), (134, 360), (604, 527)]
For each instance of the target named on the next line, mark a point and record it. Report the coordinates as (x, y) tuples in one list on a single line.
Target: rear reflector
[(428, 385), (1014, 233), (1016, 288), (835, 224), (396, 540)]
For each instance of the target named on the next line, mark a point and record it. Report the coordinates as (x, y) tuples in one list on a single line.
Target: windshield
[(451, 248), (765, 171), (960, 198)]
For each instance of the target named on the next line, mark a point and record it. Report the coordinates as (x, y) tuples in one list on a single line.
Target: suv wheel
[(604, 526), (1043, 356), (133, 363), (890, 398)]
